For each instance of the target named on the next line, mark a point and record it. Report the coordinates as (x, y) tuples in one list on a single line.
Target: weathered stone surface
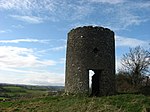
[(90, 48)]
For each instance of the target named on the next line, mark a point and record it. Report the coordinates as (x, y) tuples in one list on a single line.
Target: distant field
[(15, 91), (118, 103)]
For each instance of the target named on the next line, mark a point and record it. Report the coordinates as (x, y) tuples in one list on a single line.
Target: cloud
[(2, 31), (140, 4), (127, 18), (27, 5), (15, 4), (108, 1), (57, 48), (23, 40), (23, 66), (35, 11), (19, 26), (130, 42), (118, 64), (34, 77), (123, 13), (31, 11), (78, 12), (5, 31), (17, 57), (46, 78), (62, 60), (28, 19), (126, 42)]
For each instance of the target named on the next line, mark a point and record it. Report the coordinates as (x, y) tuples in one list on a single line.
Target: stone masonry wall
[(90, 48)]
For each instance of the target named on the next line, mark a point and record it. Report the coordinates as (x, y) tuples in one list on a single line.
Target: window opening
[(95, 50)]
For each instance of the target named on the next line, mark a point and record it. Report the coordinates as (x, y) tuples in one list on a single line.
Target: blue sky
[(33, 34)]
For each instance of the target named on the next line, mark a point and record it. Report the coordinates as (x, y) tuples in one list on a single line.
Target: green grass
[(1, 98), (16, 91), (118, 103)]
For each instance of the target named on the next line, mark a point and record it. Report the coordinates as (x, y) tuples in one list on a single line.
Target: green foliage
[(118, 103)]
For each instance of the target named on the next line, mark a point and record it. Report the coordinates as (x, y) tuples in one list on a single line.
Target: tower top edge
[(91, 28)]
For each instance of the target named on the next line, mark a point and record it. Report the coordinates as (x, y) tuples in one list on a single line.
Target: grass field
[(11, 91), (118, 103)]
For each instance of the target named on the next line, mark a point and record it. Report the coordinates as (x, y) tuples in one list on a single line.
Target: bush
[(145, 90)]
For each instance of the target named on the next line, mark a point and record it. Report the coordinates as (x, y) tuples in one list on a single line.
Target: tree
[(123, 82), (136, 63)]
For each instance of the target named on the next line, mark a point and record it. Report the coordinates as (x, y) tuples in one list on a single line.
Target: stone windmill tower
[(90, 48)]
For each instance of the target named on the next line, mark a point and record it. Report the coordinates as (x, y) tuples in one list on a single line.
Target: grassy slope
[(119, 103)]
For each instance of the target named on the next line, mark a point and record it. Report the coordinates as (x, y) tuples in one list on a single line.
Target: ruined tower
[(90, 48)]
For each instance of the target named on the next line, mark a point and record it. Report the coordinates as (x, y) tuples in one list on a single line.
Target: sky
[(33, 34)]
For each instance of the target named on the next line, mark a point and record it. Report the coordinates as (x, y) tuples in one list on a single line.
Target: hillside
[(12, 91), (118, 103)]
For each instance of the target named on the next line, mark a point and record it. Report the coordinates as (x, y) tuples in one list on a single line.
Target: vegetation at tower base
[(90, 48)]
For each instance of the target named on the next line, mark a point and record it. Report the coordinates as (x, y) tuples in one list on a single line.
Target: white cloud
[(55, 9), (130, 42), (16, 57), (23, 40), (30, 8), (15, 4), (123, 13), (142, 4), (35, 11), (78, 11), (31, 11), (27, 5), (46, 79), (108, 1), (126, 18), (19, 26), (57, 48), (118, 64), (2, 31), (5, 31), (62, 60), (28, 19), (127, 42), (34, 77), (45, 63)]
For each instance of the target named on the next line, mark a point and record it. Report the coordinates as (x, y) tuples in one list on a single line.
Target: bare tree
[(136, 63)]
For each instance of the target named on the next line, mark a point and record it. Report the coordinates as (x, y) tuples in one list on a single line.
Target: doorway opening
[(94, 82)]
